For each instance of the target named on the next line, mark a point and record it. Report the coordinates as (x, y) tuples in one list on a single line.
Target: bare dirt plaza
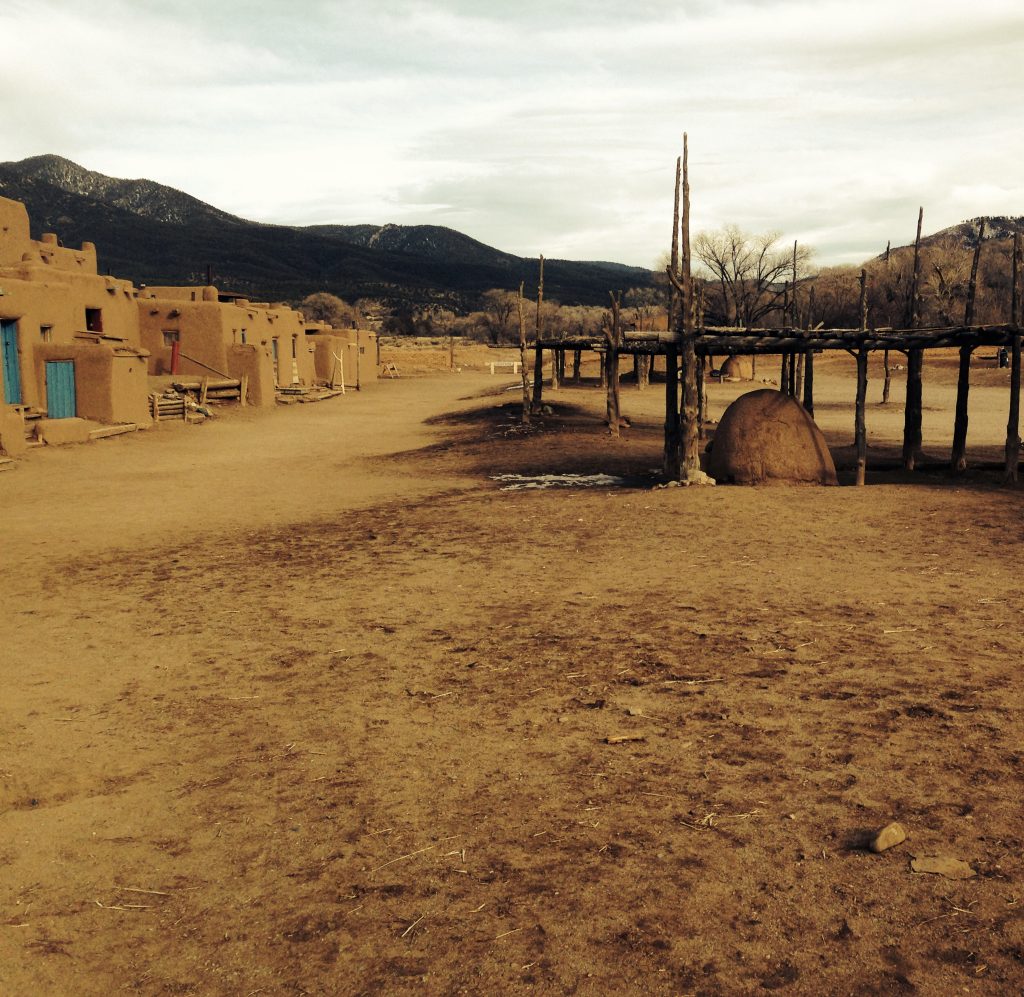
[(303, 701)]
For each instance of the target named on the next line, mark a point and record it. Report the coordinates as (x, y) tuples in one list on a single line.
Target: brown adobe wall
[(253, 362), (207, 293), (12, 433), (15, 237), (17, 245), (208, 329), (109, 386), (202, 330), (37, 299), (324, 349)]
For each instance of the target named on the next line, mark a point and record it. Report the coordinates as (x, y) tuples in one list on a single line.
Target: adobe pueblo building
[(201, 330), (69, 338)]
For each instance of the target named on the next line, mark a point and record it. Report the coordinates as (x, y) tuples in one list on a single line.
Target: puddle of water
[(519, 482)]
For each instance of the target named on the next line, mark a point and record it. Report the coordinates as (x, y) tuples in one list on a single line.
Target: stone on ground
[(767, 436)]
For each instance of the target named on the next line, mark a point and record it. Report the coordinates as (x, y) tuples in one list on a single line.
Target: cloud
[(537, 126)]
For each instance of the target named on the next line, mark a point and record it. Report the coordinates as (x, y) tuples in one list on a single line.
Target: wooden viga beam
[(717, 339)]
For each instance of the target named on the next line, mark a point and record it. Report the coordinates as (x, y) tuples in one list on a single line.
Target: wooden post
[(1013, 421), (614, 339), (243, 391), (577, 358), (912, 439), (538, 353), (887, 383), (702, 400), (689, 424), (784, 374), (958, 457), (798, 378), (523, 367), (555, 372), (809, 383), (670, 460), (860, 424)]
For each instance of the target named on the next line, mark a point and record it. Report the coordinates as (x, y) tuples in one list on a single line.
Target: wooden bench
[(513, 365)]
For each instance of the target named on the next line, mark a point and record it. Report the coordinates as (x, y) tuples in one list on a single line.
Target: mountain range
[(154, 234)]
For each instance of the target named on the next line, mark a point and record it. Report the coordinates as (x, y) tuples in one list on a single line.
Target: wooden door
[(9, 362), (60, 389)]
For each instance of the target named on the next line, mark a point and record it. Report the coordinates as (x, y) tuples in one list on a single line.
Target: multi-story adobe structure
[(69, 338), (203, 332)]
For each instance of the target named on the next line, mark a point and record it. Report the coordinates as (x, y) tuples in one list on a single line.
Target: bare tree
[(498, 307), (746, 273), (329, 308)]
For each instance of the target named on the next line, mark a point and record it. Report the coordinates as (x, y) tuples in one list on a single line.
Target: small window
[(171, 336), (295, 347), (243, 337), (46, 333), (94, 319)]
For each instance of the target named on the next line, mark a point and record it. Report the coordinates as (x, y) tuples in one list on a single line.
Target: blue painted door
[(9, 362), (60, 389)]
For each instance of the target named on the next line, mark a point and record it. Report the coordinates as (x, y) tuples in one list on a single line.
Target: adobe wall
[(255, 363), (201, 329), (208, 293), (17, 245), (208, 329), (357, 347), (12, 433), (15, 239), (110, 384), (324, 349), (55, 302)]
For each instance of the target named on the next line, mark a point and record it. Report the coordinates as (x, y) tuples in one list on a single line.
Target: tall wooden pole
[(523, 366), (860, 423), (671, 454), (1013, 422), (702, 401), (538, 353), (689, 424), (577, 358), (958, 457), (809, 383), (614, 340), (912, 439), (886, 368)]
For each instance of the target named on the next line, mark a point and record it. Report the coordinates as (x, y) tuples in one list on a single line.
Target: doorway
[(9, 361)]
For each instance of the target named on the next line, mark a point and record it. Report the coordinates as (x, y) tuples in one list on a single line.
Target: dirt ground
[(304, 702)]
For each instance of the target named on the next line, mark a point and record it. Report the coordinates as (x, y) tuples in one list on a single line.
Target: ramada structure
[(691, 343), (76, 345)]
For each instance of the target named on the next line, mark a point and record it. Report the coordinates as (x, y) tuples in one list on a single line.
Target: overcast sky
[(538, 126)]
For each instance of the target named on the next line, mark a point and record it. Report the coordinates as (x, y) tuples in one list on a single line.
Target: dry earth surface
[(304, 702)]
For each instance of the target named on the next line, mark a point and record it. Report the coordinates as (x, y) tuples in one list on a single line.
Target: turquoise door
[(60, 389), (9, 362)]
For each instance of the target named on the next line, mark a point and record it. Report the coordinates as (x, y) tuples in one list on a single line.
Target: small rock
[(698, 478), (634, 711), (942, 865), (671, 484), (890, 835)]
